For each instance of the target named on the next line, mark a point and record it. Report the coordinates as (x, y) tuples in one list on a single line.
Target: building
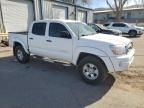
[(132, 14), (16, 15)]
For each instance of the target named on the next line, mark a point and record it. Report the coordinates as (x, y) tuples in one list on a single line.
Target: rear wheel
[(92, 70), (132, 33), (21, 55)]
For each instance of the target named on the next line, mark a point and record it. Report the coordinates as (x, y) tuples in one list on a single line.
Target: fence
[(3, 36)]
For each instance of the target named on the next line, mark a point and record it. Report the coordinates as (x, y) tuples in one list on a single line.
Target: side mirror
[(65, 34), (97, 30)]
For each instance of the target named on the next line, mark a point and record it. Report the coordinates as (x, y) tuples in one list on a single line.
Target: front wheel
[(21, 55), (92, 70), (132, 33)]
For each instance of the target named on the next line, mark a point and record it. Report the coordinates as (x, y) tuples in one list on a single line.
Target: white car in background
[(126, 28), (139, 27)]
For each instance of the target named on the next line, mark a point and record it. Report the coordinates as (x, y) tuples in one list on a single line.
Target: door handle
[(31, 38), (48, 40)]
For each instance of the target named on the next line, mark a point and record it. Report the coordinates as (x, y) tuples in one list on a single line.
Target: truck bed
[(19, 37)]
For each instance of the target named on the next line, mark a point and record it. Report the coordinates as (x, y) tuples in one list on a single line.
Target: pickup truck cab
[(125, 28), (94, 54)]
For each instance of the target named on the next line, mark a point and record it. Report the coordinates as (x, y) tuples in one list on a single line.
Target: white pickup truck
[(94, 54)]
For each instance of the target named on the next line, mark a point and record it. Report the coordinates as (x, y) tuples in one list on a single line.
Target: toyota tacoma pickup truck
[(125, 28), (74, 42)]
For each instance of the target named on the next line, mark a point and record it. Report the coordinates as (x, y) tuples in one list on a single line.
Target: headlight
[(118, 49)]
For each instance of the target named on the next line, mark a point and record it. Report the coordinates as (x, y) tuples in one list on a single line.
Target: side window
[(94, 27), (118, 25), (39, 28), (123, 25), (106, 25), (58, 30)]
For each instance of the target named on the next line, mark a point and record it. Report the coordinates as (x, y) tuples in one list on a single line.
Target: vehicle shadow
[(126, 36), (46, 84)]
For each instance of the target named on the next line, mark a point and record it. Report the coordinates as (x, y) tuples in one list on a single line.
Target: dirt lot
[(43, 84)]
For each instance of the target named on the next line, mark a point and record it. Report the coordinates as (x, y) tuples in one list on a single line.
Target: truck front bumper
[(122, 63)]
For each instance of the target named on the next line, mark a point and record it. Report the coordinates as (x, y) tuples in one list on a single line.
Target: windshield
[(101, 26), (81, 29)]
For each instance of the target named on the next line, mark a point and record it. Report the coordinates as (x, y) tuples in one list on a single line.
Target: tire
[(132, 33), (21, 55), (92, 70)]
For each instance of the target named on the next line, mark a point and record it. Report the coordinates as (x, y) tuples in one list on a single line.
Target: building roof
[(129, 8)]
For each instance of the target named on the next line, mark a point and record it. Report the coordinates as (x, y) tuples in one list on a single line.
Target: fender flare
[(22, 44), (89, 50)]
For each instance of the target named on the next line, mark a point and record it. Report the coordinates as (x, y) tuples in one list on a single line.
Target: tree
[(117, 7)]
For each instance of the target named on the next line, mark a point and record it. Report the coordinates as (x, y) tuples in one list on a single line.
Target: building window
[(66, 1), (82, 16), (128, 15), (108, 16), (60, 12)]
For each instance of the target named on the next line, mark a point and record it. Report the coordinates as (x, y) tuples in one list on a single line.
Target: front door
[(59, 42)]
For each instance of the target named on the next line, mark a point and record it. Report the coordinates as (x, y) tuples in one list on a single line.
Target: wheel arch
[(83, 55), (18, 43), (132, 30)]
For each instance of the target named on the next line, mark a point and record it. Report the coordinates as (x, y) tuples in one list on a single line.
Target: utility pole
[(75, 9)]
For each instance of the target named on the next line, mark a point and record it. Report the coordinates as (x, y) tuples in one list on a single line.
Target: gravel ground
[(42, 84)]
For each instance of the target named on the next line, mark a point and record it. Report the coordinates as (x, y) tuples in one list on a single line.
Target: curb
[(5, 51)]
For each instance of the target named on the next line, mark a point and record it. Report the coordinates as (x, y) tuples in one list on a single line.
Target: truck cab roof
[(56, 20)]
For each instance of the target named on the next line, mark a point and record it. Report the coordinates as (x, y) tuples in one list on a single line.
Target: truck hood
[(107, 39)]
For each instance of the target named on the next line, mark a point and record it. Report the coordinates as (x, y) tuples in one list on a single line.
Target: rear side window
[(39, 28), (118, 25)]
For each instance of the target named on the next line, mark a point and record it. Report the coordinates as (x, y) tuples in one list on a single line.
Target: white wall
[(47, 10), (137, 14), (17, 15)]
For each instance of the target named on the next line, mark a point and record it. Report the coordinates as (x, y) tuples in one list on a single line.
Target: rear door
[(36, 39), (59, 46)]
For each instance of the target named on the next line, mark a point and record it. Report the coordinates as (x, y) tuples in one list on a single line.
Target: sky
[(102, 3), (98, 3)]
